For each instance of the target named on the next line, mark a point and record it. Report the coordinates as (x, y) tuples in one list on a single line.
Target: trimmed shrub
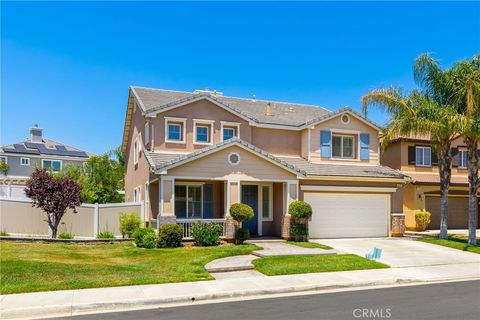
[(105, 235), (4, 234), (241, 212), (300, 210), (140, 234), (149, 240), (241, 235), (206, 234), (422, 219), (129, 223), (170, 236), (66, 235)]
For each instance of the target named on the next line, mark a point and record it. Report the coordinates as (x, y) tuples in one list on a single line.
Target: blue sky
[(67, 66)]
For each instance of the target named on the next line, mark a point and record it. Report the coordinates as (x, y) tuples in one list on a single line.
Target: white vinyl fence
[(18, 217)]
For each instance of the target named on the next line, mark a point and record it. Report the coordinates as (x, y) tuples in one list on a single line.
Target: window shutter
[(364, 146), (207, 201), (455, 157), (434, 158), (411, 155), (325, 144)]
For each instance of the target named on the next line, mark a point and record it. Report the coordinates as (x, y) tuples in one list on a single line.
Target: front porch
[(186, 201)]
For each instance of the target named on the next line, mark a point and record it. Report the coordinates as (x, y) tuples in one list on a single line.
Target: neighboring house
[(35, 152), (414, 157), (190, 155)]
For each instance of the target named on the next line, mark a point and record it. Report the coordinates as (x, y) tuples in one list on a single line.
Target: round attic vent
[(233, 158), (345, 119)]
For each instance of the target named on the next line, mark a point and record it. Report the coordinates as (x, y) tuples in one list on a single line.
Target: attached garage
[(457, 212), (348, 215)]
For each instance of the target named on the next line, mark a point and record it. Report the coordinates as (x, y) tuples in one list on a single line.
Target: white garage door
[(343, 215)]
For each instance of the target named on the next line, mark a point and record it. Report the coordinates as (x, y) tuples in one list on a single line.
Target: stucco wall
[(204, 110), (278, 142), (136, 175)]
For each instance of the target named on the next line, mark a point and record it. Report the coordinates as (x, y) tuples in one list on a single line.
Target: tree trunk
[(445, 171), (474, 183)]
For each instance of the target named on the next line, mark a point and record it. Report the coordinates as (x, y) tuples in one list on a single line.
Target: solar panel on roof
[(40, 148)]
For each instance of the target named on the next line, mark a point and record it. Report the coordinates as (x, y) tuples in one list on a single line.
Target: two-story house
[(190, 155), (35, 152), (415, 158)]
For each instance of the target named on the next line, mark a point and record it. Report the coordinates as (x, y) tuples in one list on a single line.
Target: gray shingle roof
[(317, 169), (163, 161), (282, 113)]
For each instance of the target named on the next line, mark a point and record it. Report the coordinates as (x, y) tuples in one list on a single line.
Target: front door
[(250, 197)]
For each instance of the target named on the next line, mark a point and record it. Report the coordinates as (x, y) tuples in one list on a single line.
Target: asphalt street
[(455, 300)]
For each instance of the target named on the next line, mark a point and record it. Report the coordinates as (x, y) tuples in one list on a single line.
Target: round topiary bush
[(300, 210), (422, 220), (241, 212)]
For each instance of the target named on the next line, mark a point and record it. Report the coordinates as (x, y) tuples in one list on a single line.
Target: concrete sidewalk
[(74, 302)]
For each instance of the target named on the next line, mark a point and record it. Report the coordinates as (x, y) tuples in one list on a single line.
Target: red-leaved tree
[(54, 195)]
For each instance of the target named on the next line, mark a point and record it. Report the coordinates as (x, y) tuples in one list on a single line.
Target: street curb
[(100, 307)]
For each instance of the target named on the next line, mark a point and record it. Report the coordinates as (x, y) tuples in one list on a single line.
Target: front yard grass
[(29, 267), (309, 245), (454, 242), (279, 265)]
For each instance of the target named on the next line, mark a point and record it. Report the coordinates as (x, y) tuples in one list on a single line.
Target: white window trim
[(137, 194), (341, 147), (203, 123), (184, 131), (460, 159), (229, 124), (152, 134), (27, 164), (423, 153), (136, 151), (146, 133), (5, 158), (52, 160), (270, 204), (187, 184)]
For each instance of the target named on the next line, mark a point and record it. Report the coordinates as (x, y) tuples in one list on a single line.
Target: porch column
[(290, 193), (232, 195), (166, 189)]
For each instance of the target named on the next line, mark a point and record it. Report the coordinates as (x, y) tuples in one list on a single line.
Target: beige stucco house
[(190, 155), (414, 157)]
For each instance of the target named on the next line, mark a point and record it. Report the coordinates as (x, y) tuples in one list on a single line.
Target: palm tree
[(466, 81), (427, 111)]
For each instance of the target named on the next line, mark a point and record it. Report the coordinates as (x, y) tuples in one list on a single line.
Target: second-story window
[(203, 131), (25, 161), (228, 133), (202, 134), (3, 159), (343, 146), (462, 158), (175, 130), (423, 156)]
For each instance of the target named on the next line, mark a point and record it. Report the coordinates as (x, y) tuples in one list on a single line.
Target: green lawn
[(309, 245), (454, 242), (28, 267), (279, 265)]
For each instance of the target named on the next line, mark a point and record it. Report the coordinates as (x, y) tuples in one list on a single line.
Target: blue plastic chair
[(374, 254)]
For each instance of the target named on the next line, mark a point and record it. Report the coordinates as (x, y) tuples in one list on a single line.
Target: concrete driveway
[(403, 253)]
